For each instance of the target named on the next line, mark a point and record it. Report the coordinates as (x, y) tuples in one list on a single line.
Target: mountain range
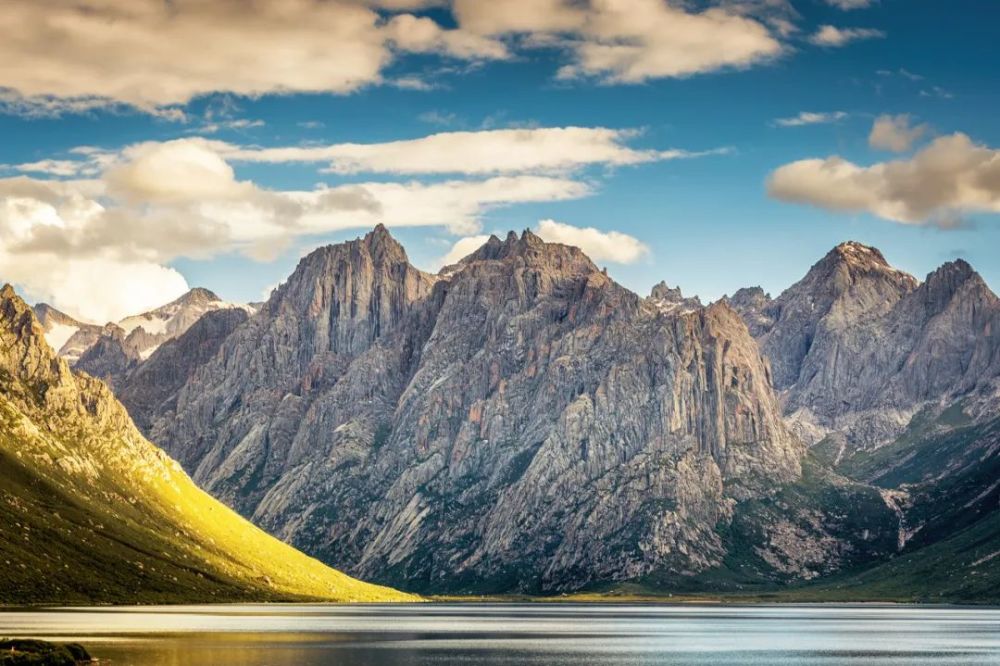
[(519, 422), (111, 351), (92, 512)]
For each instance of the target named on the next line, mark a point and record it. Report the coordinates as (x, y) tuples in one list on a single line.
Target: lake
[(562, 634)]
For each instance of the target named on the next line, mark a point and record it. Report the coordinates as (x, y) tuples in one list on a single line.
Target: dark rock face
[(151, 389), (520, 421), (109, 358), (753, 305), (860, 347)]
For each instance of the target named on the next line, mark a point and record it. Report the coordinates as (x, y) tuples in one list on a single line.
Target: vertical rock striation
[(520, 422)]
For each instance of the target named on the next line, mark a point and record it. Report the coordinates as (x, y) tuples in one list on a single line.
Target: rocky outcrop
[(667, 299), (753, 304), (114, 352), (66, 335), (860, 347), (110, 357), (140, 334), (92, 512), (147, 331), (519, 422), (150, 390)]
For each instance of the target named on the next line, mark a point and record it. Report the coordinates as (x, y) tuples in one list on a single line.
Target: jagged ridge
[(520, 421)]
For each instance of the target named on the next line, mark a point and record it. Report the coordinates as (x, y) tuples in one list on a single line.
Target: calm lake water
[(565, 634)]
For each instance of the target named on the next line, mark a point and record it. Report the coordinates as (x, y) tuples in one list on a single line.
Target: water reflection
[(307, 635)]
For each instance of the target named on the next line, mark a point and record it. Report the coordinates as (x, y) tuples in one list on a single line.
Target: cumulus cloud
[(424, 35), (95, 286), (811, 118), (895, 133), (59, 56), (631, 41), (547, 149), (462, 248), (612, 246), (950, 177), (832, 36), (154, 202), (129, 213), (70, 57)]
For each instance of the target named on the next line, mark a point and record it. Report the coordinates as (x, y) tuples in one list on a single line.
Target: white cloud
[(62, 168), (72, 57), (424, 35), (232, 124), (832, 36), (894, 133), (612, 246), (547, 149), (133, 211), (68, 56), (630, 41), (438, 118), (850, 4), (950, 177), (93, 289), (155, 202), (811, 118), (937, 91), (95, 286), (462, 248)]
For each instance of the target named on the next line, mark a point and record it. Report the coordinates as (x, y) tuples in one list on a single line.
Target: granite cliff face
[(92, 512), (110, 357), (150, 389), (859, 348), (519, 422)]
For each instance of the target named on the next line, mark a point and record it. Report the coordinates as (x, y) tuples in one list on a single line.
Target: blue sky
[(708, 223)]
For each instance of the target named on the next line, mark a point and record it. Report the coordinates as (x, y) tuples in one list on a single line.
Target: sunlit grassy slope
[(90, 512)]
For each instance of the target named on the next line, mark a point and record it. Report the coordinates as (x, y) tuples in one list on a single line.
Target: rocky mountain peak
[(852, 284), (529, 249), (45, 313), (858, 253), (24, 354), (198, 295), (952, 277), (753, 305), (667, 299), (113, 330), (850, 262), (381, 245), (749, 300), (664, 292), (16, 316)]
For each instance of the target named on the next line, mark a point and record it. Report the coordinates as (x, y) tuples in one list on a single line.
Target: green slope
[(962, 568), (92, 512)]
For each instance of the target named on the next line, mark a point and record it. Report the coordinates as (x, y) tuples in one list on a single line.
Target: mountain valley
[(520, 423)]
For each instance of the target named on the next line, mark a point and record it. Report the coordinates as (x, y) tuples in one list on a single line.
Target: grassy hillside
[(92, 512)]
